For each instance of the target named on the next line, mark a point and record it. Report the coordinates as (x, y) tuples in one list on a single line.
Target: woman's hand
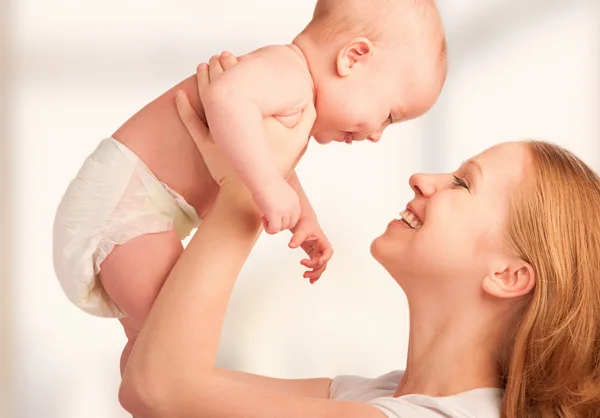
[(282, 141), (205, 73), (171, 371)]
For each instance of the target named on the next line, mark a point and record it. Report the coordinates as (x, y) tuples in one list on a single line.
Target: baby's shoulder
[(285, 57), (288, 53)]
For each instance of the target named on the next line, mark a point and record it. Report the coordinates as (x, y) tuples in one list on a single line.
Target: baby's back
[(159, 138), (114, 199)]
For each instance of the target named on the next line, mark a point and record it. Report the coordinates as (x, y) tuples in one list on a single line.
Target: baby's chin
[(326, 138)]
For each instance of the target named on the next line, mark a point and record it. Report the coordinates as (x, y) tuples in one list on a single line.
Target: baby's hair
[(378, 19), (388, 22)]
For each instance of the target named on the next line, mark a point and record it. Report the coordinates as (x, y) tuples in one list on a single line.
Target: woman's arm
[(314, 388), (311, 388), (171, 371)]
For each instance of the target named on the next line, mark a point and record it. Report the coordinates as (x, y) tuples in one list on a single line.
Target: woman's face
[(456, 226)]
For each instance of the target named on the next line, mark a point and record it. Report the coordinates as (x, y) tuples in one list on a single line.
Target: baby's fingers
[(298, 239), (327, 254), (311, 264), (215, 69), (315, 274), (273, 225), (227, 60)]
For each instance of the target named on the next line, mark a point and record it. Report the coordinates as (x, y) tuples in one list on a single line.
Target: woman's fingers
[(203, 78), (198, 130)]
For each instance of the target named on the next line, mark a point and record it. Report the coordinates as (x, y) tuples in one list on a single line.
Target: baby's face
[(361, 105)]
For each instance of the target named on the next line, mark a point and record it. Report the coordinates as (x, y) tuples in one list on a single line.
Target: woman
[(499, 264)]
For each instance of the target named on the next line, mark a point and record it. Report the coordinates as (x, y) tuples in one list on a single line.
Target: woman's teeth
[(410, 219)]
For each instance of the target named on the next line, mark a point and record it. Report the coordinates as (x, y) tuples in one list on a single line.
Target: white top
[(379, 392)]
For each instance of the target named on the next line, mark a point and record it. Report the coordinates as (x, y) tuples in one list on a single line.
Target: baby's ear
[(352, 54)]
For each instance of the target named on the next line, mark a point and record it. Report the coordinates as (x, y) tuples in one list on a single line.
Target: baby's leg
[(133, 274)]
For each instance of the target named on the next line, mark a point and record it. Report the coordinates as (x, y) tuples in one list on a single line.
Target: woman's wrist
[(235, 201)]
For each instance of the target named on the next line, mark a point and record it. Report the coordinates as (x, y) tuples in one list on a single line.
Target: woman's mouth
[(410, 219), (347, 138)]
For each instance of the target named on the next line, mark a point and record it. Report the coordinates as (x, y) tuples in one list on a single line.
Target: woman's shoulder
[(379, 392), (363, 389)]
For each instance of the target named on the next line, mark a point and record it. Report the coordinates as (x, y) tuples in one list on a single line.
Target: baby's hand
[(309, 235), (280, 206)]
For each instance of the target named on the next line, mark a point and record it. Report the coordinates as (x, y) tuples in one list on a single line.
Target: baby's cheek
[(346, 116), (366, 121), (329, 120)]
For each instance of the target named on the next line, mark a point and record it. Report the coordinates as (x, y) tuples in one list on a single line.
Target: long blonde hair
[(553, 365)]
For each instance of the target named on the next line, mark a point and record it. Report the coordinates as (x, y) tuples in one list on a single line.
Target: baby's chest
[(291, 130), (292, 117), (289, 121)]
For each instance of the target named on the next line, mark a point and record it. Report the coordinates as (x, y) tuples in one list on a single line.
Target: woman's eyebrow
[(473, 164)]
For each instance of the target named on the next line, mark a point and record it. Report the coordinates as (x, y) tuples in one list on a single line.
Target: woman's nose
[(423, 184)]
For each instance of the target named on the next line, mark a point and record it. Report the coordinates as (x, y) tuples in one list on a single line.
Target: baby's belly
[(158, 137)]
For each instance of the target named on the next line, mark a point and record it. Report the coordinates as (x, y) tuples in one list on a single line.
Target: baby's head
[(373, 62)]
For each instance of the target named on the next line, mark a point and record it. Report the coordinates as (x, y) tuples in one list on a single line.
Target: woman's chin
[(379, 248), (390, 253), (391, 241)]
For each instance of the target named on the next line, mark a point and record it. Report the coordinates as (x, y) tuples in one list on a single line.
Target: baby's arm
[(269, 82), (309, 235), (306, 209)]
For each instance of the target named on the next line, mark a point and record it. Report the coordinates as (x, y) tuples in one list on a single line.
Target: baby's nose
[(374, 137)]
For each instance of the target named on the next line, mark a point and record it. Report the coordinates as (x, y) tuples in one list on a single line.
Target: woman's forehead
[(504, 157), (503, 165)]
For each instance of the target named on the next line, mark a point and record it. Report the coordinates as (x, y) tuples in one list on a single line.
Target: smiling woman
[(501, 283), (462, 215)]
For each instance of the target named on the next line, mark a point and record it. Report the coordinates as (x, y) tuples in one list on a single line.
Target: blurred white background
[(73, 71)]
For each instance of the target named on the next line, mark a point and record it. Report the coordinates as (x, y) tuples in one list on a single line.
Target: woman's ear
[(509, 279), (353, 53)]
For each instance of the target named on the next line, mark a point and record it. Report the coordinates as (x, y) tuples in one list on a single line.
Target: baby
[(358, 66)]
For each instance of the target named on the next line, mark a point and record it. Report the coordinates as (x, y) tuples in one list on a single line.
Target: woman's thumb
[(197, 130)]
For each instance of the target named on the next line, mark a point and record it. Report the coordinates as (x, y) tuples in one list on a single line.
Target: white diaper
[(114, 198)]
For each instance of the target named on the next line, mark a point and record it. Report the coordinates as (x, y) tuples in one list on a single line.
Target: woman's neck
[(450, 354)]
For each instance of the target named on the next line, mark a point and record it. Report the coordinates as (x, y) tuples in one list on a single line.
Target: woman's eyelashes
[(459, 182)]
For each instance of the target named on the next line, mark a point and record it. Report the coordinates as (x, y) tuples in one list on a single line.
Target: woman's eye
[(458, 182)]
